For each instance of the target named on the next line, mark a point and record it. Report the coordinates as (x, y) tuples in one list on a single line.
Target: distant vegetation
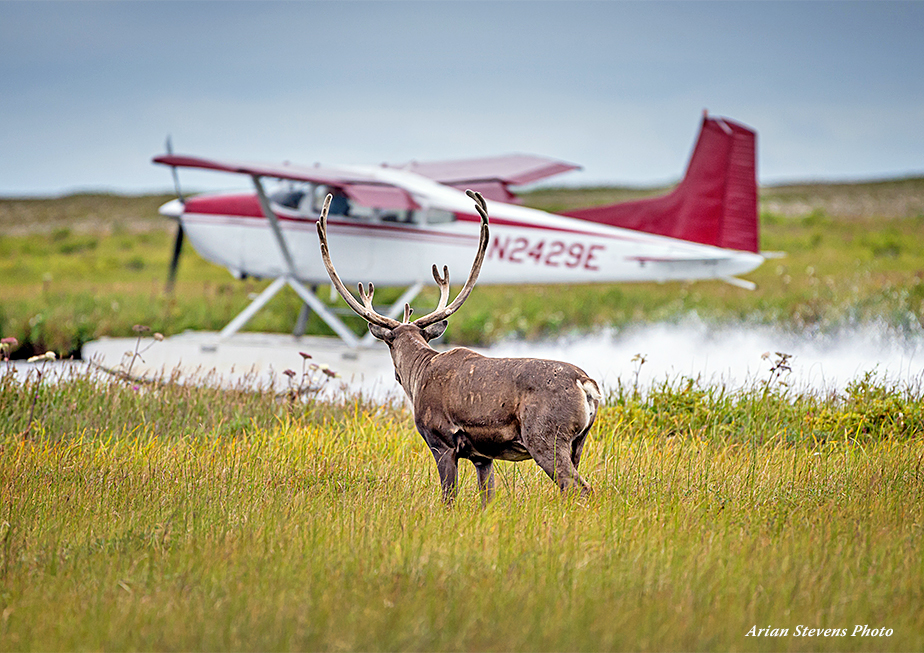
[(158, 516), (78, 267)]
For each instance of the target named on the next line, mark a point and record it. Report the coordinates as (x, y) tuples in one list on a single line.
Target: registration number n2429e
[(554, 253)]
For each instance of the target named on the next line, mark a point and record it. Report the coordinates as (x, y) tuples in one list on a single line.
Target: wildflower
[(304, 355), (158, 337), (140, 328), (47, 356), (290, 373), (7, 345)]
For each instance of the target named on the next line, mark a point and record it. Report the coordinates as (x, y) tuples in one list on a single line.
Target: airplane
[(394, 219)]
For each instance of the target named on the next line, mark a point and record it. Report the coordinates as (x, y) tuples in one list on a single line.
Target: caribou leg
[(555, 455), (561, 470), (485, 469), (448, 466), (577, 447)]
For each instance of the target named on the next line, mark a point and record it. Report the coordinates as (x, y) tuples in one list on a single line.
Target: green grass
[(96, 265), (180, 518), (167, 517)]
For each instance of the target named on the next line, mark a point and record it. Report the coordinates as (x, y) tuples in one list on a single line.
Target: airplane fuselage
[(396, 247)]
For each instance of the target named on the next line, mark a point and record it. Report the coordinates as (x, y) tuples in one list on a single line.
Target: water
[(734, 356)]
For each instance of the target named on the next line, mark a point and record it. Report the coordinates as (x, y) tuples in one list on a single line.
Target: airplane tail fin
[(715, 202)]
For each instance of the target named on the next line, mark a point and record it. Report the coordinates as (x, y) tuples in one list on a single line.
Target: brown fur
[(470, 406)]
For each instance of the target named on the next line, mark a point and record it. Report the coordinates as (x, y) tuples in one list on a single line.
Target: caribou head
[(471, 406)]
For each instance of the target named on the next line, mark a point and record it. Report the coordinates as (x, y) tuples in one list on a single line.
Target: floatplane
[(391, 221)]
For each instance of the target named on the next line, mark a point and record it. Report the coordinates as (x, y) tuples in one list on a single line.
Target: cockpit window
[(341, 205), (308, 199), (287, 197)]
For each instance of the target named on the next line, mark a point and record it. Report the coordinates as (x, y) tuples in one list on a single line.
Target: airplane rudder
[(740, 222)]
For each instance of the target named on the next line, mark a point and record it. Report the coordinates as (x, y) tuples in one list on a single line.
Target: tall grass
[(167, 517), (160, 516)]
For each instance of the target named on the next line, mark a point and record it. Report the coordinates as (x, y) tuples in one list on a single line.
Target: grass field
[(178, 518), (167, 517), (75, 268)]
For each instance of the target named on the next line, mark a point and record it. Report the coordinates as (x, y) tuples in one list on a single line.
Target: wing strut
[(310, 299)]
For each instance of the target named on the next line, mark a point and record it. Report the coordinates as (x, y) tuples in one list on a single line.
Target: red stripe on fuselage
[(342, 227), (467, 217), (247, 205)]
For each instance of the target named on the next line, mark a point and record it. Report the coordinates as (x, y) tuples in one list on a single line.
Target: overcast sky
[(88, 91)]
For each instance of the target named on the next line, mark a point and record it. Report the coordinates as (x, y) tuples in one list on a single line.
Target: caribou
[(470, 406)]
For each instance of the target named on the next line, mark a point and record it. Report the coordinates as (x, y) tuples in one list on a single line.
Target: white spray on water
[(734, 355)]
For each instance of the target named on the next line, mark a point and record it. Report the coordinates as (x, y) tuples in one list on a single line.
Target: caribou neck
[(411, 355)]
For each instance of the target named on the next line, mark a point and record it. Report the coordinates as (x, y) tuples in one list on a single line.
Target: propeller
[(178, 242)]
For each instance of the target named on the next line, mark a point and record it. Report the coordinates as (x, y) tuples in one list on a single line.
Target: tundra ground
[(180, 518), (162, 517)]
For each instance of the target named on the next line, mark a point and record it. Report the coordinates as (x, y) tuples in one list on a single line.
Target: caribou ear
[(434, 330), (382, 333)]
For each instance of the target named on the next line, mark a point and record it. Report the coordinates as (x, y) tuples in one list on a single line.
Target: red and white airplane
[(390, 222)]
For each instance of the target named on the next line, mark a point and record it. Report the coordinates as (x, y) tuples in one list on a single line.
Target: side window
[(288, 196), (341, 205), (438, 216), (396, 215)]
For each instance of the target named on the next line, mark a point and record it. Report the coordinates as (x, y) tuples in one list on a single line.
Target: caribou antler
[(443, 311), (365, 309), (443, 283)]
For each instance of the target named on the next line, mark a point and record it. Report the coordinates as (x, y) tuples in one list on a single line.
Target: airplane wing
[(490, 176), (315, 174), (362, 188)]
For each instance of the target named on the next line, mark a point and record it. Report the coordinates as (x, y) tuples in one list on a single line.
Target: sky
[(90, 90)]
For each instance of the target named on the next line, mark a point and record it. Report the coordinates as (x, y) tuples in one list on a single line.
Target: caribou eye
[(397, 377)]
